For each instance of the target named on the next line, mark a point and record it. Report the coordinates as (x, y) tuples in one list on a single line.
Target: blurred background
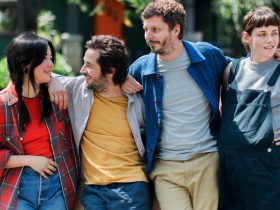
[(70, 23)]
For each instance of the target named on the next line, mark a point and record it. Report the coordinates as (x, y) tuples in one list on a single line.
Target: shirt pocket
[(11, 142)]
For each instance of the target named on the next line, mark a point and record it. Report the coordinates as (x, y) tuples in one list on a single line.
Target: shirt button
[(8, 139), (155, 126), (157, 102), (269, 149), (149, 150)]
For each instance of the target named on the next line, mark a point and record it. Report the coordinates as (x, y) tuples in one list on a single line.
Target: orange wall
[(111, 21)]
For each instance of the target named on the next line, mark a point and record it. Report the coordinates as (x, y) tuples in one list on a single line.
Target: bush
[(61, 67), (4, 75)]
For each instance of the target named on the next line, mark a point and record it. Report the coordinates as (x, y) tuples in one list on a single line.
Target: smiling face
[(158, 36), (92, 71), (262, 42), (42, 72)]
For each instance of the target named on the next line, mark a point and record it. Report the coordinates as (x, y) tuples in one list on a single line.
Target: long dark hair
[(24, 53)]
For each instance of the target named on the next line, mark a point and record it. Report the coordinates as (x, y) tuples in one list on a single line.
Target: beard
[(98, 85), (165, 47)]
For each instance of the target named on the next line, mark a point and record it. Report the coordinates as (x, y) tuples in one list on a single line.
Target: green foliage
[(231, 13), (4, 75), (45, 27), (61, 67), (235, 10)]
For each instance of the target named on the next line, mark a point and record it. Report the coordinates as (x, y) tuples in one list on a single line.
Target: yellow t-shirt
[(109, 153)]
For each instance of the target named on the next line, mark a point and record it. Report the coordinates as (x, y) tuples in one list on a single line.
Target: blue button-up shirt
[(206, 68)]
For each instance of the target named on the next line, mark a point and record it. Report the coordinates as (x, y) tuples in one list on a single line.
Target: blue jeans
[(117, 196), (36, 192)]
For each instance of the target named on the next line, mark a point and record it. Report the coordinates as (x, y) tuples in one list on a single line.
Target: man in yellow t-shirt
[(108, 127)]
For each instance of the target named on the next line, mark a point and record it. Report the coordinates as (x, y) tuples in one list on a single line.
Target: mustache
[(153, 42)]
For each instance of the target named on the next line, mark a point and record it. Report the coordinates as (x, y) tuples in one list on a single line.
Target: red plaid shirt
[(62, 144)]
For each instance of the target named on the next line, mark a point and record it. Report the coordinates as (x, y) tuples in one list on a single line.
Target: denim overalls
[(249, 164)]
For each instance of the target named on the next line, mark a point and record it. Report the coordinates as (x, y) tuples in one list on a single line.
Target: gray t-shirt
[(185, 113)]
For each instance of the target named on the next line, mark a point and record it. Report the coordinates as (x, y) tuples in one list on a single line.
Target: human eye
[(89, 66), (275, 33), (260, 35), (155, 29)]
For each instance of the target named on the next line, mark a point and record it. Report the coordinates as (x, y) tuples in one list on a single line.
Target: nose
[(148, 34), (269, 38), (82, 70), (51, 63)]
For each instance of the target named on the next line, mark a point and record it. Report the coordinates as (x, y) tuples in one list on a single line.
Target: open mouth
[(269, 47)]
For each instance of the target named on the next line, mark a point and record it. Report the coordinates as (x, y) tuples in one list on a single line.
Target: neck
[(112, 91), (27, 89), (259, 60), (178, 48)]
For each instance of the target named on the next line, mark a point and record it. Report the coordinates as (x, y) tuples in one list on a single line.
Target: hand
[(130, 85), (44, 166), (277, 54), (277, 138), (58, 93)]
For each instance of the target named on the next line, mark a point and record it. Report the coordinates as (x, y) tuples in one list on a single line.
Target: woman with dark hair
[(249, 164), (38, 162)]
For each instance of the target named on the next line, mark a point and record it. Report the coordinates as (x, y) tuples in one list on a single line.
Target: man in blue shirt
[(181, 87)]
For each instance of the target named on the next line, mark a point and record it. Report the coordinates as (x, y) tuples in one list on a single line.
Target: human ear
[(245, 37), (177, 29)]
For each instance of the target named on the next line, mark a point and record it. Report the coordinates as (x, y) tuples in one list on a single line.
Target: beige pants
[(187, 185)]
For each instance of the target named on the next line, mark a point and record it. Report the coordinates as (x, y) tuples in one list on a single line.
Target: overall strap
[(271, 82), (233, 69)]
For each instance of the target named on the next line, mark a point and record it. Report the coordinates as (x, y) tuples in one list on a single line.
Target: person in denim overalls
[(249, 165)]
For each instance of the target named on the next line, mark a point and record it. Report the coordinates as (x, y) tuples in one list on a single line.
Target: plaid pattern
[(62, 144)]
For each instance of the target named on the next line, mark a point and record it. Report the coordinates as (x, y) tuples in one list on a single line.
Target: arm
[(277, 54), (59, 87), (277, 137), (131, 86), (132, 83), (42, 165), (224, 84)]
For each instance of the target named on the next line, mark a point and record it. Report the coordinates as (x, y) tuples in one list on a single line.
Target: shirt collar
[(193, 53)]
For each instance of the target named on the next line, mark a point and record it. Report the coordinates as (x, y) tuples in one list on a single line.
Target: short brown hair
[(258, 17), (112, 54), (172, 13)]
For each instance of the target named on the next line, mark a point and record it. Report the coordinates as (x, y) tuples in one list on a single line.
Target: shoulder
[(206, 48), (139, 64), (141, 60), (138, 97), (135, 98)]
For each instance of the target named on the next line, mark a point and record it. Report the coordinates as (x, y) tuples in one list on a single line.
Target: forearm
[(15, 161)]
